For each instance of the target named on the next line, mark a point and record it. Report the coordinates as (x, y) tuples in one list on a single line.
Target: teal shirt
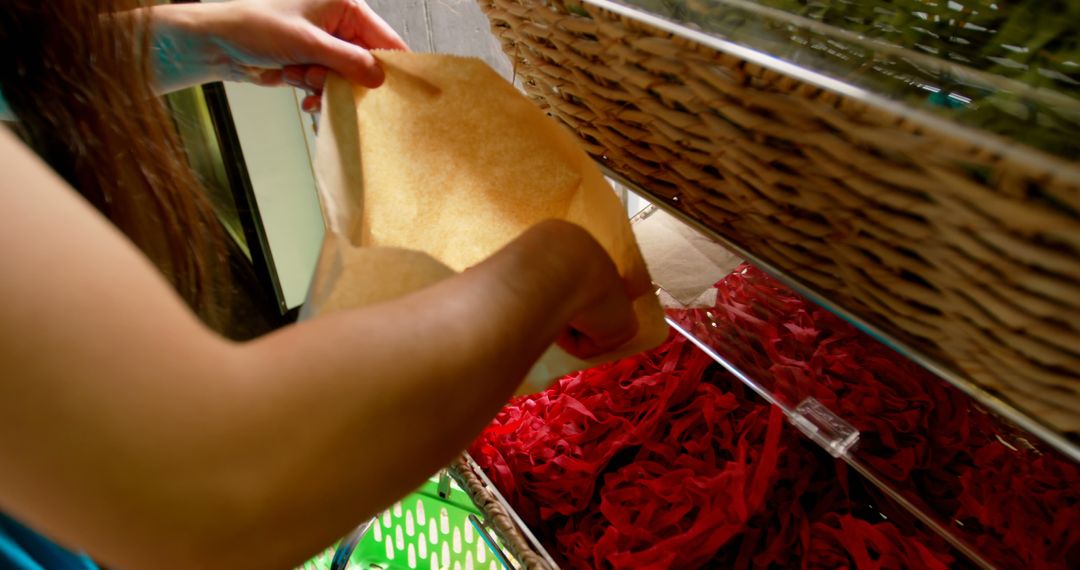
[(24, 549)]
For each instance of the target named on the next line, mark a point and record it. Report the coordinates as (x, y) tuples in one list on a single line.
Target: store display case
[(946, 230), (865, 231), (875, 439)]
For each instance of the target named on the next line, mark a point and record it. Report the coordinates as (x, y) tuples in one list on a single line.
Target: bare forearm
[(436, 366), (136, 434), (255, 456)]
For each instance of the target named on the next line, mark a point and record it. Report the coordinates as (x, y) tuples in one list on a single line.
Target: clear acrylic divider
[(992, 490)]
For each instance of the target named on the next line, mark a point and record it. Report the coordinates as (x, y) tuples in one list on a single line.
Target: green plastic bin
[(424, 531)]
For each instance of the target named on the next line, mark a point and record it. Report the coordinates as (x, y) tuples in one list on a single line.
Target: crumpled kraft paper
[(684, 263), (438, 169)]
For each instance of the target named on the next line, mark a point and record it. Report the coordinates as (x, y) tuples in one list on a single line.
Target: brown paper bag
[(438, 169)]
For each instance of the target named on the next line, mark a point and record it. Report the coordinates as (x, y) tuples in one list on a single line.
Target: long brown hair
[(77, 74)]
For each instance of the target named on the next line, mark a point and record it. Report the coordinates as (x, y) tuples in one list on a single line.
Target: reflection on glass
[(1006, 67), (195, 125)]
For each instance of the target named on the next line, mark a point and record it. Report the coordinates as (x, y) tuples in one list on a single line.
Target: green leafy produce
[(1009, 67)]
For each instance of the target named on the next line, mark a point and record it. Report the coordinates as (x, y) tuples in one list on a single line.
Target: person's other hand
[(298, 41), (602, 301)]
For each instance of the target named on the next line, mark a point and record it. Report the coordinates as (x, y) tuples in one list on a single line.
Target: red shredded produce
[(664, 460)]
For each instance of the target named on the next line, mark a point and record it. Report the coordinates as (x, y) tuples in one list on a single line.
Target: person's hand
[(602, 302), (270, 42), (297, 41)]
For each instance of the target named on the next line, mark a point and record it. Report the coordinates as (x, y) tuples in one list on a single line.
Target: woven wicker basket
[(961, 250), (497, 515)]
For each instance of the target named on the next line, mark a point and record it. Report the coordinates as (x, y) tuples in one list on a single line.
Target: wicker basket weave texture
[(496, 515), (951, 245)]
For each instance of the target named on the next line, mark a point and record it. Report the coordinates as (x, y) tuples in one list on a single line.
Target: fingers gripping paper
[(438, 169)]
